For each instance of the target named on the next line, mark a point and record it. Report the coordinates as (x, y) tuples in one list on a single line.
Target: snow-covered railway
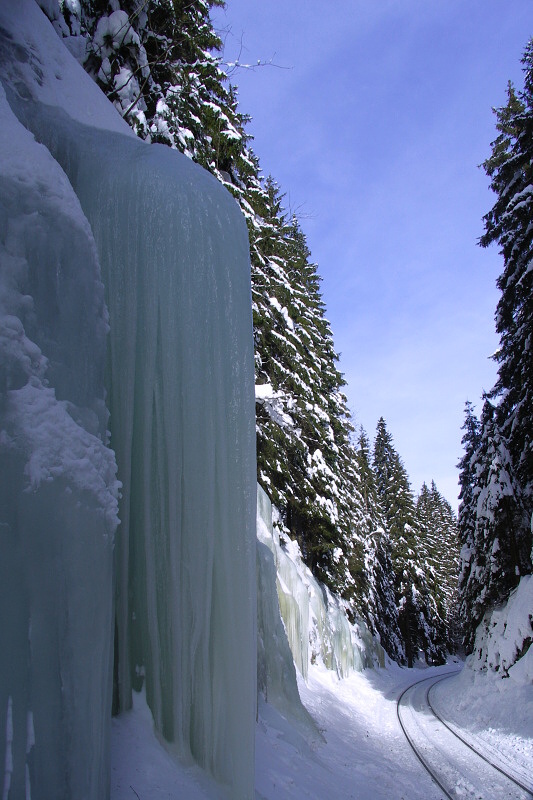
[(455, 765)]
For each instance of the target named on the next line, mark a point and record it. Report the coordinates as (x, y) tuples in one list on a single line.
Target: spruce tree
[(382, 613), (491, 563), (468, 495), (495, 515), (419, 620), (439, 551), (509, 224)]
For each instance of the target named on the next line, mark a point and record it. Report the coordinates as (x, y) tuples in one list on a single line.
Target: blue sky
[(374, 124)]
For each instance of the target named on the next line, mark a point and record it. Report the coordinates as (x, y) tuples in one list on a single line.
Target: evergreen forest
[(393, 556)]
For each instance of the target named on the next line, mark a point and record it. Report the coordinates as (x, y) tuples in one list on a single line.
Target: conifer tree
[(467, 522), (491, 561), (495, 516), (509, 223), (382, 613), (419, 620), (439, 550)]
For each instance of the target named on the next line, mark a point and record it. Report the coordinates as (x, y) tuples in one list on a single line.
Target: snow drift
[(88, 204)]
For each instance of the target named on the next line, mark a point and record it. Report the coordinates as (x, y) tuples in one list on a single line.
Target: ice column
[(58, 495), (174, 252), (276, 673)]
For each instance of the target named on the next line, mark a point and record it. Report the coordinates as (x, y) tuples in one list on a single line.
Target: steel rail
[(443, 722), (518, 783), (411, 743)]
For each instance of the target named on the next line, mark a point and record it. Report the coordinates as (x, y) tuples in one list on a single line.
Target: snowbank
[(504, 637), (492, 698)]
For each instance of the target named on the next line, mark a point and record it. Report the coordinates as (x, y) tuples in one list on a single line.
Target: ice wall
[(276, 673), (58, 491), (316, 623), (173, 249)]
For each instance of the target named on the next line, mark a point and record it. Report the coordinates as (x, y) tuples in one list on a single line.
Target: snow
[(50, 73), (497, 715), (492, 698), (355, 748), (141, 765), (58, 447), (275, 403), (505, 634), (362, 754), (115, 31)]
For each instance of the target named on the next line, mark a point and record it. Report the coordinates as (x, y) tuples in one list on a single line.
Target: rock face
[(101, 232), (503, 639)]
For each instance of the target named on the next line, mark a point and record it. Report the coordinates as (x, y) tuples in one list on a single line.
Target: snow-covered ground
[(496, 715), (363, 754), (358, 749)]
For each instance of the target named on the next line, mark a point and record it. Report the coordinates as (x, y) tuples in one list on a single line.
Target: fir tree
[(419, 620), (509, 223), (495, 514), (439, 550), (467, 522), (491, 564), (382, 613), (510, 168)]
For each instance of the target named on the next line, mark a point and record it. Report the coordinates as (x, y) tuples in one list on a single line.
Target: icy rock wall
[(173, 250), (317, 627), (504, 637), (58, 490)]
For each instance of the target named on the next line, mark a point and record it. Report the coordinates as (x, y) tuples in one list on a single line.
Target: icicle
[(8, 768), (316, 622)]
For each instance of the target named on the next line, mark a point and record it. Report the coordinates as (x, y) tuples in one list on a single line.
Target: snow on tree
[(497, 470), (420, 623), (439, 549), (467, 523), (491, 557), (509, 223), (382, 613)]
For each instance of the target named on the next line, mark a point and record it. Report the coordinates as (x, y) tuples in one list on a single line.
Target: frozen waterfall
[(173, 252), (58, 496), (316, 622)]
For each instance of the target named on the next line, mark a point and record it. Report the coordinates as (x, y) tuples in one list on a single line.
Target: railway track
[(455, 765)]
